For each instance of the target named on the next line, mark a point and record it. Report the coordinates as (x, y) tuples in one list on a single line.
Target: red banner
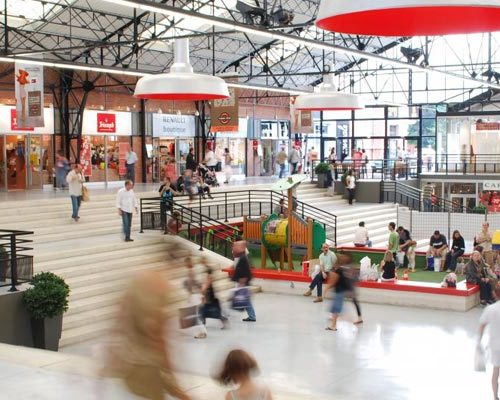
[(488, 126), (123, 150), (86, 156), (106, 123), (13, 122)]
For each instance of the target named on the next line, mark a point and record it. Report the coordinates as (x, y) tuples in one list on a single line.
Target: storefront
[(106, 141), (26, 155), (274, 135), (173, 136), (236, 143)]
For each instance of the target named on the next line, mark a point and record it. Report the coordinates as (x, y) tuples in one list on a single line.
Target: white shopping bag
[(365, 269)]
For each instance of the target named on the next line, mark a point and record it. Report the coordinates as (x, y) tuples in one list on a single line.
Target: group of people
[(139, 354)]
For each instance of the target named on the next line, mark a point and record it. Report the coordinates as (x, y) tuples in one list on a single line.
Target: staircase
[(94, 260)]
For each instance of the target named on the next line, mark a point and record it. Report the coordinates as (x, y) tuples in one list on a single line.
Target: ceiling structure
[(108, 33)]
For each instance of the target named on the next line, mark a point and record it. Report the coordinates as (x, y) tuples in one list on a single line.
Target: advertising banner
[(300, 121), (107, 123), (8, 122), (173, 125), (123, 150), (224, 114), (86, 156), (29, 95), (487, 126)]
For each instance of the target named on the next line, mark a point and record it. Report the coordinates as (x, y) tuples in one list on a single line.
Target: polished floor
[(398, 353)]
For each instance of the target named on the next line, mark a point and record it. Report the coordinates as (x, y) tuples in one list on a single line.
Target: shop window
[(370, 113), (369, 128), (336, 115)]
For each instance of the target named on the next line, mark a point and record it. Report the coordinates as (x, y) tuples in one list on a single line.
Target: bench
[(358, 253), (416, 294)]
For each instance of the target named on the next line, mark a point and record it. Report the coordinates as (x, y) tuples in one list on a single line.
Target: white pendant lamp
[(327, 98), (181, 83), (409, 17)]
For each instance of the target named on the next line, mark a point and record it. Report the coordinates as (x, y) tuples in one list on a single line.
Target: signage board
[(173, 125)]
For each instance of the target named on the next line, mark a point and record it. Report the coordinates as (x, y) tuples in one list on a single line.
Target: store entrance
[(14, 163)]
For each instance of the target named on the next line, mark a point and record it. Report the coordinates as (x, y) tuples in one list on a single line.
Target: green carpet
[(428, 276)]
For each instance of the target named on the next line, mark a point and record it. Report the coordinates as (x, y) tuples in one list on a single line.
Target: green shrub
[(480, 209), (48, 297), (322, 168)]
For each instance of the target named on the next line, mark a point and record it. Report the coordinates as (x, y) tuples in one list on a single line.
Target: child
[(460, 269), (238, 369), (449, 281)]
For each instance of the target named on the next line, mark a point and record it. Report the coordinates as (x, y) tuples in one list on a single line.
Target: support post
[(289, 229)]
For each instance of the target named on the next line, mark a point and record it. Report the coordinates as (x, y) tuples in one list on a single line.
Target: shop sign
[(106, 123), (86, 156), (9, 122), (29, 95), (487, 126), (255, 144), (224, 114), (13, 122), (173, 125), (491, 185)]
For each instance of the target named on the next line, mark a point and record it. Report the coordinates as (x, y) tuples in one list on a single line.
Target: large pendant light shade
[(327, 98), (181, 83), (409, 17)]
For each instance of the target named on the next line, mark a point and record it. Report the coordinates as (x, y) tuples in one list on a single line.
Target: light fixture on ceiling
[(181, 83), (326, 97), (409, 17)]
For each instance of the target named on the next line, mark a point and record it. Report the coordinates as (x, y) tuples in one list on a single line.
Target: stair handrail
[(12, 242)]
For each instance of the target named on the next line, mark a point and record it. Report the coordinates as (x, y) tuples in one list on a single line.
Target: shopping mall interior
[(249, 199)]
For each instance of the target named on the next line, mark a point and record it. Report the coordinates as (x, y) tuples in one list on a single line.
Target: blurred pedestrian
[(126, 203), (75, 181), (139, 353), (243, 275), (62, 168), (191, 161), (294, 159), (239, 369), (339, 282), (281, 159), (211, 307), (490, 319), (350, 186), (228, 169)]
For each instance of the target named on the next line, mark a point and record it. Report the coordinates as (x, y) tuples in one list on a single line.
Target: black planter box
[(47, 332), (322, 180)]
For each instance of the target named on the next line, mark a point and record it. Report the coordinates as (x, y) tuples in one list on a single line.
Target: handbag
[(188, 316), (85, 193), (479, 360), (241, 299)]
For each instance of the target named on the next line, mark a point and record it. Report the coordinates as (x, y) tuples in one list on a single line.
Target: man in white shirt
[(491, 319), (75, 181), (130, 163), (294, 158), (210, 159), (327, 260), (483, 239), (126, 203), (350, 185), (361, 238)]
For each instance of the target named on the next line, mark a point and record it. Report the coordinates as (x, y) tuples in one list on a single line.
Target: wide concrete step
[(82, 234)]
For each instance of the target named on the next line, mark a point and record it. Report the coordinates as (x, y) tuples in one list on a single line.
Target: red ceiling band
[(180, 96), (415, 21)]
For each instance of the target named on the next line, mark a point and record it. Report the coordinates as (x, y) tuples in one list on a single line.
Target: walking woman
[(228, 169), (338, 281), (211, 306)]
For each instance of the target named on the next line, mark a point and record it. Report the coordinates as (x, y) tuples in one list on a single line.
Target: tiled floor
[(399, 353)]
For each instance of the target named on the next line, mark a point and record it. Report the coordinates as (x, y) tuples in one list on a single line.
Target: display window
[(237, 150), (41, 160)]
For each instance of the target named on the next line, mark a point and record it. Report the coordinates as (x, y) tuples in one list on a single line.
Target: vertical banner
[(300, 121), (29, 95), (86, 156), (224, 114), (123, 150)]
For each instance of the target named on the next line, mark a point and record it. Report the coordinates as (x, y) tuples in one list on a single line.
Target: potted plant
[(479, 209), (46, 301), (321, 171)]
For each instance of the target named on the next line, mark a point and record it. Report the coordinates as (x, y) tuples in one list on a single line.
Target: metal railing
[(392, 169), (189, 223), (235, 205), (15, 267), (466, 164), (397, 192)]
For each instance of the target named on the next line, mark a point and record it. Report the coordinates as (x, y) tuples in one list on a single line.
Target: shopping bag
[(188, 316), (85, 194), (479, 360), (241, 299), (400, 257), (367, 272)]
